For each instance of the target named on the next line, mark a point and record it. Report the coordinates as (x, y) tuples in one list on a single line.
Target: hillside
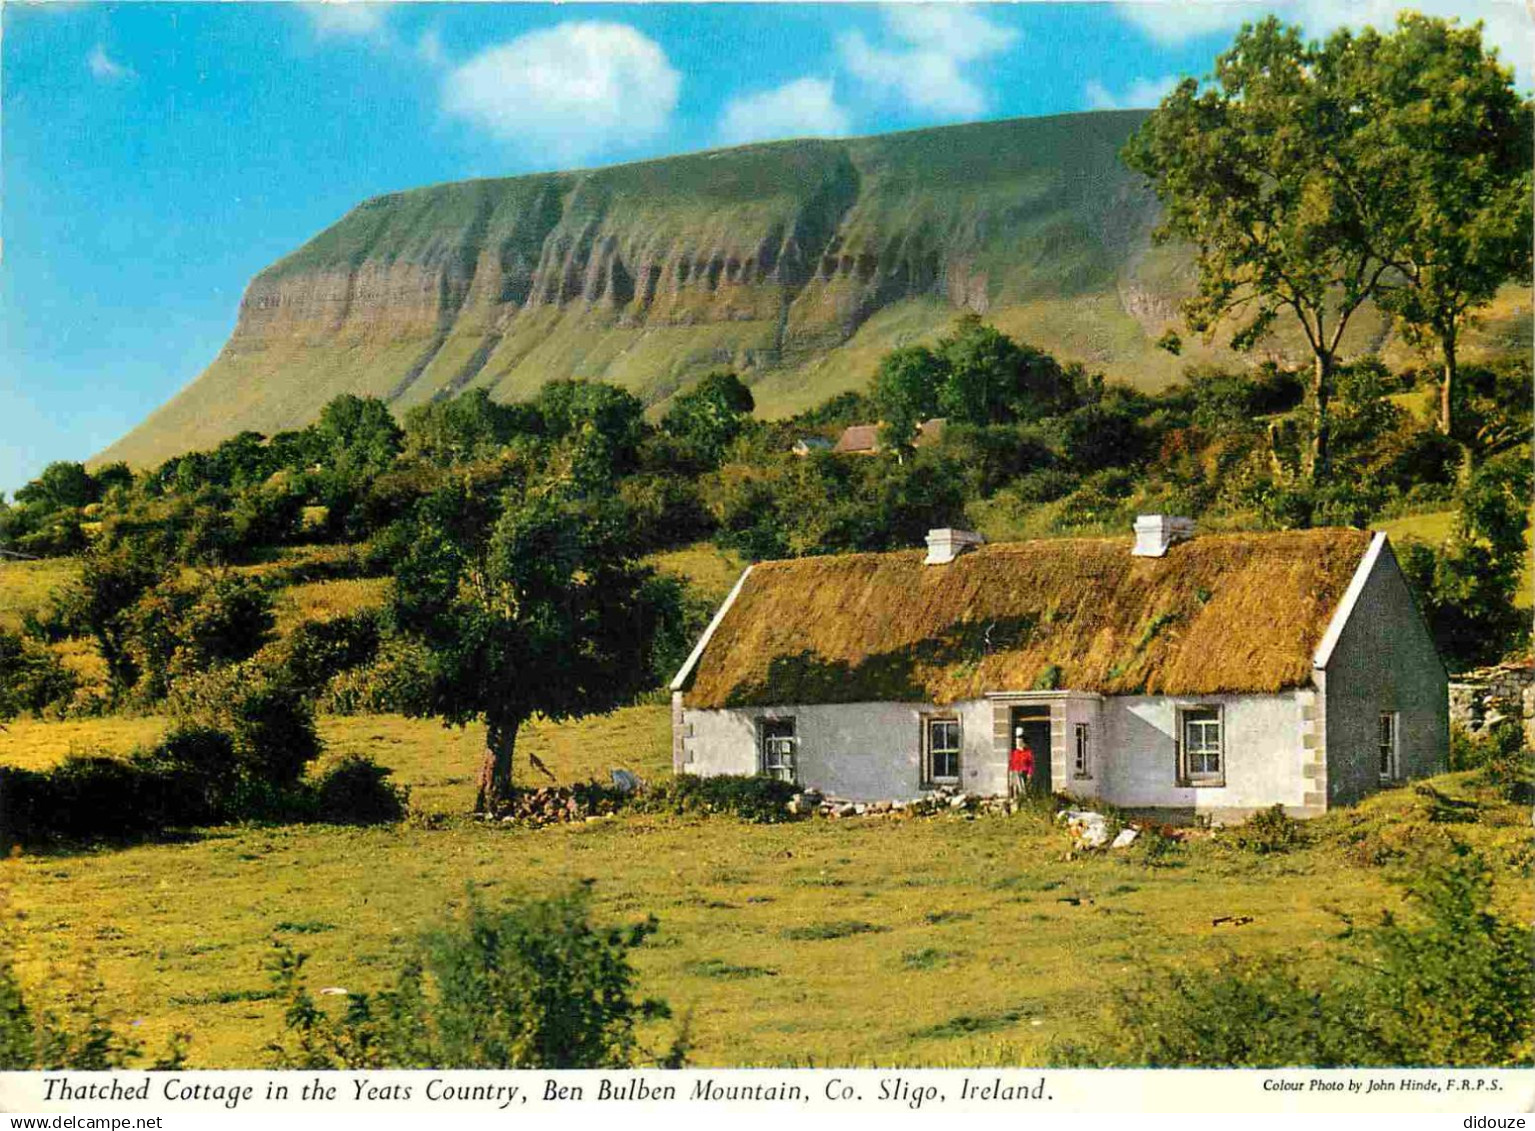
[(796, 263)]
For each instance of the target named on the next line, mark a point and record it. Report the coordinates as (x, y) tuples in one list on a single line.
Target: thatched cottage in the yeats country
[(1215, 673)]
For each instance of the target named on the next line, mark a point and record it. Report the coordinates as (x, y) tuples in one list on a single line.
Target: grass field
[(935, 941), (25, 585), (712, 571)]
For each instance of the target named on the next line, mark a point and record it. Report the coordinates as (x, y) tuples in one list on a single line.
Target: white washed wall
[(860, 751), (1263, 750), (872, 751)]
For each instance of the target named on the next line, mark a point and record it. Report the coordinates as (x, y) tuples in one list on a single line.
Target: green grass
[(25, 586), (934, 946), (712, 571), (438, 763), (322, 600)]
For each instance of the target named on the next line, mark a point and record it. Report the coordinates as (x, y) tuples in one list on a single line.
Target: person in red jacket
[(1020, 767)]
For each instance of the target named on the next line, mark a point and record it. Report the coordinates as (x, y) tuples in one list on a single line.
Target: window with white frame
[(942, 739), (1388, 746), (1201, 746), (780, 749), (1082, 756)]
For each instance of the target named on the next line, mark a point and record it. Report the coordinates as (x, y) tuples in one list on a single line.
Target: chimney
[(944, 544), (1154, 533)]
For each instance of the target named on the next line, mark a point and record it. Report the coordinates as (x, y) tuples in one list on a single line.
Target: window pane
[(1202, 741), (943, 748), (778, 747)]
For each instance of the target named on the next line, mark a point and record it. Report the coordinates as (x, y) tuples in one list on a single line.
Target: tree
[(548, 614), (1447, 139), (358, 434), (905, 393), (1466, 587), (61, 484), (98, 603), (1261, 172), (710, 415), (467, 427), (991, 379)]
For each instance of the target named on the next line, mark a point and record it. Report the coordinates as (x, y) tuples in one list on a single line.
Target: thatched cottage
[(1212, 674)]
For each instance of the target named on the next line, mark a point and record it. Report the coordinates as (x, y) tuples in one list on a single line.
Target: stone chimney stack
[(1154, 533), (944, 544)]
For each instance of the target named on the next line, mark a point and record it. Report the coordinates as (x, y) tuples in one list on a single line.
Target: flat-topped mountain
[(795, 263)]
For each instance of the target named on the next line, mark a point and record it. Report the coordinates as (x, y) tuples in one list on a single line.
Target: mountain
[(795, 263)]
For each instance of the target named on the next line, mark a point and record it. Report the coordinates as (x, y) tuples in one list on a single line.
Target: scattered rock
[(1088, 829), (334, 991), (1232, 920)]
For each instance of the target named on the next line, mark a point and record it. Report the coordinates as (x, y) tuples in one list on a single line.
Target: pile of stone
[(558, 804), (1090, 830), (813, 803)]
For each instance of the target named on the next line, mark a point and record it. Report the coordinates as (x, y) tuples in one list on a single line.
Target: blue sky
[(155, 156)]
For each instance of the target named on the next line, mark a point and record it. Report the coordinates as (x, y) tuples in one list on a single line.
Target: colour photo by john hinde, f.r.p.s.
[(826, 558)]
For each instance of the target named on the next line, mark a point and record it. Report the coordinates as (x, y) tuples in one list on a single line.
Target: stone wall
[(1480, 698)]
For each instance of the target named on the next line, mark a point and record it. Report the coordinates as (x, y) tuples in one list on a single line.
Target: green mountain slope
[(796, 263)]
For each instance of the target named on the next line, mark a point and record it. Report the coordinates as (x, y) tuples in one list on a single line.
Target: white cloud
[(429, 48), (803, 108), (569, 91), (924, 66), (347, 18), (1508, 24), (104, 67), (1140, 94)]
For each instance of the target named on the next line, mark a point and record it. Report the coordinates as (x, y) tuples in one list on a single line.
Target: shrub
[(31, 677), (398, 678), (760, 799), (177, 630), (81, 798), (318, 651), (1455, 988), (35, 1038), (197, 768), (269, 720), (536, 986), (357, 791), (1268, 830), (1473, 751)]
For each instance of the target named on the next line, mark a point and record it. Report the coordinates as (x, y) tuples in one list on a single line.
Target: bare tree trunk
[(494, 784), (1447, 382), (1321, 392)]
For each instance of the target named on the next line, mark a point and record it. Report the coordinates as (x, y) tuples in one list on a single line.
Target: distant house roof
[(1220, 613), (863, 439), (858, 439)]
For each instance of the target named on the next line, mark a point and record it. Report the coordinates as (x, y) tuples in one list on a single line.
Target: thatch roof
[(863, 439), (1220, 613)]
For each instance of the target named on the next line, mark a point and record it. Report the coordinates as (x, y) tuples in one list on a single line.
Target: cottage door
[(1033, 723)]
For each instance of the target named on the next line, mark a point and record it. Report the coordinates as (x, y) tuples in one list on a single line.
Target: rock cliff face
[(794, 263)]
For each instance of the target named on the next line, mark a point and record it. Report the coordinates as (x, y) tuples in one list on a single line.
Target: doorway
[(1032, 722)]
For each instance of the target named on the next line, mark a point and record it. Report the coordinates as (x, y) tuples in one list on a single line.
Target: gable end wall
[(1384, 660)]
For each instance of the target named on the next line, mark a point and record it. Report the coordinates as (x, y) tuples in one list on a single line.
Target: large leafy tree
[(710, 415), (527, 603), (1259, 170), (905, 391), (358, 434), (1447, 140)]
